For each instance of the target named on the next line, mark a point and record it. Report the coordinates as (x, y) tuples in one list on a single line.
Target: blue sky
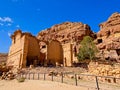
[(35, 15)]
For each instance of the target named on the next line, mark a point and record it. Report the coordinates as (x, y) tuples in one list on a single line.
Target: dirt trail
[(37, 85)]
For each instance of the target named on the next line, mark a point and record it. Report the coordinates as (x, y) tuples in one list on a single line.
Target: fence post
[(33, 76), (26, 75), (52, 76), (29, 76), (20, 74), (97, 85), (76, 80), (62, 77), (38, 76), (114, 80), (44, 76)]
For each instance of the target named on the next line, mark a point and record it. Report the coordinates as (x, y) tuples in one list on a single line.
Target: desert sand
[(37, 85)]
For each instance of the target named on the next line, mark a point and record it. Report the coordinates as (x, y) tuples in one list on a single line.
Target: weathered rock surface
[(66, 38), (3, 68), (3, 57), (108, 38), (111, 26), (8, 75), (104, 69), (65, 32)]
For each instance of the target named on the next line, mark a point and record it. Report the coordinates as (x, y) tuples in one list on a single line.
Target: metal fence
[(92, 82)]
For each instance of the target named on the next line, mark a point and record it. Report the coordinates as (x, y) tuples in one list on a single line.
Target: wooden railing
[(94, 84)]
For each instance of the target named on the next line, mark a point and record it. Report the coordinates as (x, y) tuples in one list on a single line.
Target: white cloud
[(18, 26), (6, 19), (9, 24), (9, 34)]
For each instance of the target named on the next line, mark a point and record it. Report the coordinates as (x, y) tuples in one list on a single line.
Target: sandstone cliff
[(111, 26), (109, 37), (66, 32)]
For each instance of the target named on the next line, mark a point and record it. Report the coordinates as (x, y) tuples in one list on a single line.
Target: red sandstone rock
[(3, 57), (65, 32), (110, 37), (111, 26)]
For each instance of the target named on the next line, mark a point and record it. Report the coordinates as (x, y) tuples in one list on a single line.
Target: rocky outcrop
[(3, 57), (8, 76), (108, 38), (111, 26), (68, 35), (65, 32), (3, 68), (98, 69)]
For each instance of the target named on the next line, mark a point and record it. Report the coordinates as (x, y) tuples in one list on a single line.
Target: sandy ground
[(37, 85)]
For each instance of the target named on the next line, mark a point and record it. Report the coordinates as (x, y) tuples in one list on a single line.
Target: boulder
[(8, 75)]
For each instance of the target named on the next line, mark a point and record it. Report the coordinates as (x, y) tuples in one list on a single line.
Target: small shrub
[(21, 79), (88, 49)]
